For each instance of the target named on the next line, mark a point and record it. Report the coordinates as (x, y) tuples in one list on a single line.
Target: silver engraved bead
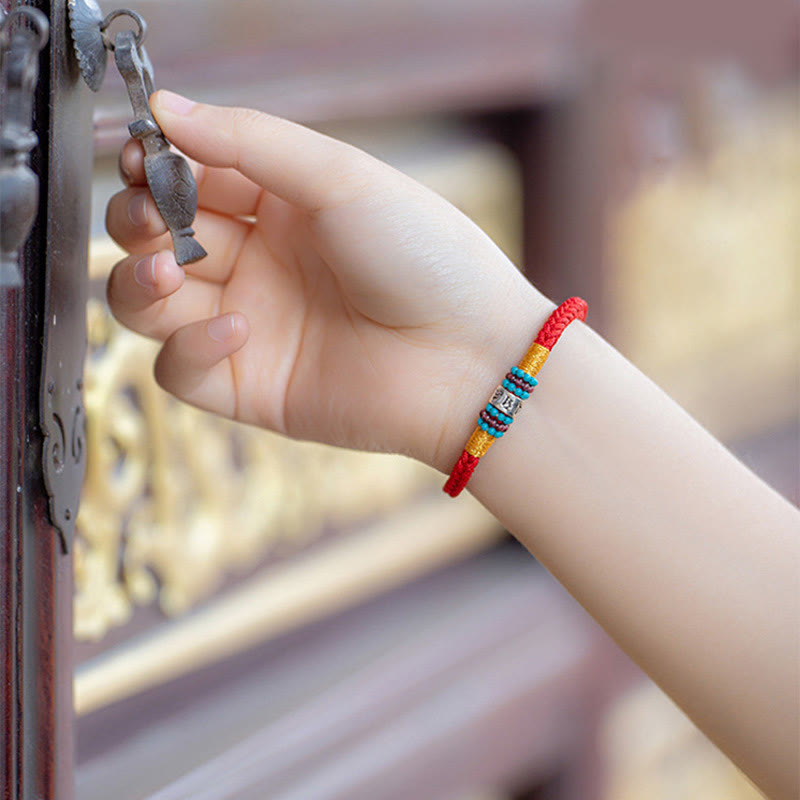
[(506, 402)]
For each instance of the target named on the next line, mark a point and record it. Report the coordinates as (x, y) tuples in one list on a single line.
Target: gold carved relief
[(176, 500)]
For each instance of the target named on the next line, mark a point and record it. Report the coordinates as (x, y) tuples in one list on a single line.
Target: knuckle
[(161, 371), (111, 210), (249, 125), (244, 119), (112, 285), (167, 361), (350, 177)]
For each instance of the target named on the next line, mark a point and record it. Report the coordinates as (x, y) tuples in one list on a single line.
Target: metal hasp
[(170, 179), (62, 248), (168, 175), (19, 185)]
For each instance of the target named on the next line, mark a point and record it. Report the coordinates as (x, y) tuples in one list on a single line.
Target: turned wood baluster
[(19, 185)]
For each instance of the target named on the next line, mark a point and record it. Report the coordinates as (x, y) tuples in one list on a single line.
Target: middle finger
[(133, 221)]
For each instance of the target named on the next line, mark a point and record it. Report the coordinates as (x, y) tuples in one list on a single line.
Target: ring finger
[(143, 295)]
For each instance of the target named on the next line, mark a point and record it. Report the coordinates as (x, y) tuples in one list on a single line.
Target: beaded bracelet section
[(496, 418)]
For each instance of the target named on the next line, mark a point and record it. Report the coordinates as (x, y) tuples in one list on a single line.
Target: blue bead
[(525, 395), (492, 432)]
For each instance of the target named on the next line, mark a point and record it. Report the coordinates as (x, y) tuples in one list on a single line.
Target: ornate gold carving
[(175, 500)]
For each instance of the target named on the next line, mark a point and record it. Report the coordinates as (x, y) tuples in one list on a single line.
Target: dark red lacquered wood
[(10, 466), (36, 751)]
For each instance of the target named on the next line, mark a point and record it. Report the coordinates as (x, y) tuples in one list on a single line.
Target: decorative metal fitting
[(19, 185), (141, 26), (168, 174), (505, 401), (85, 19)]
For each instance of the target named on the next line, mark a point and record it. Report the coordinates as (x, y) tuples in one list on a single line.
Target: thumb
[(303, 167)]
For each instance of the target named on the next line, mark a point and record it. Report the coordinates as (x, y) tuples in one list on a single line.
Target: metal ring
[(40, 22), (124, 12)]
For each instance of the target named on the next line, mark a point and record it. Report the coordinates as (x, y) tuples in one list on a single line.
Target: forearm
[(686, 558)]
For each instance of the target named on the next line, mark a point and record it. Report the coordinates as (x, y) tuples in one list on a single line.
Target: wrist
[(501, 340), (498, 415)]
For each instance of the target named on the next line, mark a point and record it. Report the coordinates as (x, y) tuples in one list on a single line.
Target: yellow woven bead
[(534, 359), (479, 443)]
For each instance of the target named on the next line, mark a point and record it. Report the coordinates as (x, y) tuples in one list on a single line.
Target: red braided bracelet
[(495, 419)]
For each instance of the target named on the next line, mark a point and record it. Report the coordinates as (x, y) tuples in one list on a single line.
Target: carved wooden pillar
[(42, 343)]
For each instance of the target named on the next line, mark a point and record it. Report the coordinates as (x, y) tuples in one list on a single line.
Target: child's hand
[(340, 300)]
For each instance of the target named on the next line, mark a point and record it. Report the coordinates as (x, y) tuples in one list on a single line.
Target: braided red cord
[(570, 310), (461, 474)]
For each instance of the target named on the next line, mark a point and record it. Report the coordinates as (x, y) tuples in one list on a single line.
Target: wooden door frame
[(36, 570)]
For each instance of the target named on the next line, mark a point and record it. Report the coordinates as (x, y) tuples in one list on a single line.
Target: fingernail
[(222, 328), (175, 103), (145, 272), (137, 209)]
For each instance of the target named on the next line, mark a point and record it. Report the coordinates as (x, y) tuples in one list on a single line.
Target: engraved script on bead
[(504, 401)]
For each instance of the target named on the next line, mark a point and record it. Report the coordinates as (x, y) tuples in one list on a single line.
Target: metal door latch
[(168, 175)]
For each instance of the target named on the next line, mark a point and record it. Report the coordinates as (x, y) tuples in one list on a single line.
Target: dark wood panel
[(36, 572), (11, 437)]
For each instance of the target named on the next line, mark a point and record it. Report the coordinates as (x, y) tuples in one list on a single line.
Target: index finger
[(303, 167)]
